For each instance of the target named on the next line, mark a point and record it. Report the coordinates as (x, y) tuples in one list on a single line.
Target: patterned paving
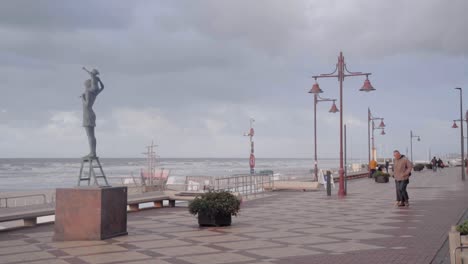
[(286, 227)]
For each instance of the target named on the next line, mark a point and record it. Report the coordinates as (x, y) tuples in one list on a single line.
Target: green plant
[(463, 228), (215, 203), (380, 173), (418, 167)]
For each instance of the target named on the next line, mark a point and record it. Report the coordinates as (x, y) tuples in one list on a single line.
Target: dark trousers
[(401, 193), (398, 198)]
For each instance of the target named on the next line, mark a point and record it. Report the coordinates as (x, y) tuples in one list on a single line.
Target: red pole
[(315, 137), (368, 138), (373, 142), (341, 190)]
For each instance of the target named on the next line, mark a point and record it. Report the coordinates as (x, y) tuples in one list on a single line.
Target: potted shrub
[(458, 237), (381, 177), (418, 167), (215, 208)]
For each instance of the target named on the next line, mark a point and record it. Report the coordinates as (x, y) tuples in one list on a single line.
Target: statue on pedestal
[(93, 87)]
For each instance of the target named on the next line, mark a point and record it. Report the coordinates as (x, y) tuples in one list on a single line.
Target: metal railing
[(245, 184), (23, 200)]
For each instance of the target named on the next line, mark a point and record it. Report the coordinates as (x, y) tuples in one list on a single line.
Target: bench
[(28, 214), (134, 201)]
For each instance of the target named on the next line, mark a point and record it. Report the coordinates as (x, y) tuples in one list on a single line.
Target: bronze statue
[(93, 87)]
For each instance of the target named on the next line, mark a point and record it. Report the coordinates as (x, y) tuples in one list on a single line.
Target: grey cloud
[(52, 15)]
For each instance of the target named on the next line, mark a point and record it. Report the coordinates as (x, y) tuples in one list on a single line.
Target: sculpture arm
[(86, 70), (100, 84)]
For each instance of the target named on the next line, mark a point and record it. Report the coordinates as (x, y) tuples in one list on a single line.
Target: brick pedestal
[(90, 213)]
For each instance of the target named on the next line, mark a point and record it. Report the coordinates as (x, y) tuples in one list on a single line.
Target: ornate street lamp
[(316, 90), (340, 72), (370, 121), (461, 134)]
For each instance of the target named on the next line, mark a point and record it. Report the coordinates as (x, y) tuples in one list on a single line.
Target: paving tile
[(273, 234), (305, 240), (149, 261), (326, 230), (174, 230), (217, 258), (249, 244), (245, 230), (345, 247), (180, 251), (217, 239), (283, 252), (12, 243), (40, 234), (140, 222), (25, 257), (48, 261), (197, 233), (155, 225), (71, 244), (359, 235), (160, 243), (112, 257), (133, 238), (18, 249), (79, 251)]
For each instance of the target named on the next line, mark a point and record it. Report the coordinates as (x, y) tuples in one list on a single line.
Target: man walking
[(401, 171)]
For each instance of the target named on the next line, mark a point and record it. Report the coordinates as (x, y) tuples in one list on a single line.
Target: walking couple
[(401, 172)]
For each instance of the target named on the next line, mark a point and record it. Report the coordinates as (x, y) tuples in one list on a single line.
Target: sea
[(38, 173)]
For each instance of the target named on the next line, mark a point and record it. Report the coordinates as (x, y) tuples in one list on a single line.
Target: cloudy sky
[(189, 74)]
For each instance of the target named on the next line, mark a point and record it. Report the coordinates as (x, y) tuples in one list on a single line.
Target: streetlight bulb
[(419, 139), (454, 125), (382, 133), (382, 124), (333, 108), (367, 87), (315, 88)]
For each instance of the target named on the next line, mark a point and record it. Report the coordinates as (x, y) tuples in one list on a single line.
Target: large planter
[(418, 167), (218, 220), (381, 179), (458, 247)]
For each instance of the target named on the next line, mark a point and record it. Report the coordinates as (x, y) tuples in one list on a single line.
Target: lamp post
[(340, 72), (461, 134), (381, 127), (370, 120), (333, 109), (252, 156), (411, 143), (463, 159)]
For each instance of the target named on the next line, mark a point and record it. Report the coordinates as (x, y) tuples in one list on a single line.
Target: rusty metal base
[(90, 213)]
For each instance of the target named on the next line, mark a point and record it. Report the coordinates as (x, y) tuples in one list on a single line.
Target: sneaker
[(397, 203), (407, 204)]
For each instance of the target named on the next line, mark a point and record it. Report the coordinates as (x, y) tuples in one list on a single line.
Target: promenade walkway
[(284, 227)]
